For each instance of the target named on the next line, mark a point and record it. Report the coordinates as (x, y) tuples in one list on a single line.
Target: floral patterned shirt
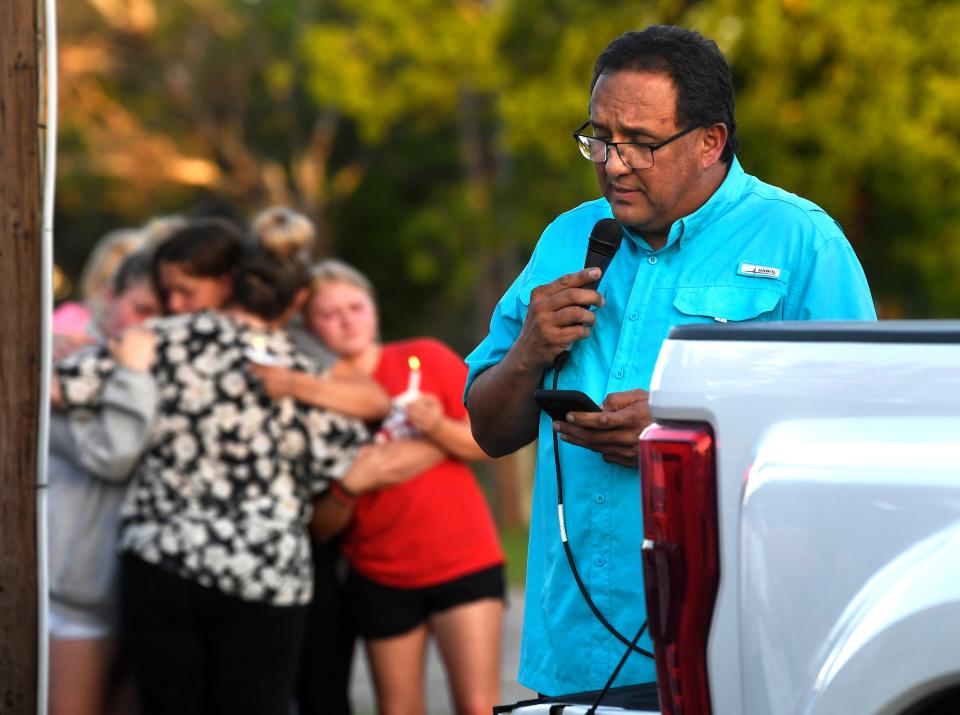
[(223, 494)]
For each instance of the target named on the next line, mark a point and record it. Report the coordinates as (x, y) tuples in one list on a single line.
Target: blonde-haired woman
[(424, 555), (79, 323)]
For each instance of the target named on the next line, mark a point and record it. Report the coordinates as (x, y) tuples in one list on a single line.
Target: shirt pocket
[(729, 303)]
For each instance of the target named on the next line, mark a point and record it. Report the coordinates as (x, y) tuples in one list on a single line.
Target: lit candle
[(413, 383)]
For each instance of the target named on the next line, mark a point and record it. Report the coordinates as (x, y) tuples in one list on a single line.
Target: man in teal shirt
[(703, 242)]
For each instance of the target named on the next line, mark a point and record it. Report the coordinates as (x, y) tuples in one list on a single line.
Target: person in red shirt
[(424, 554)]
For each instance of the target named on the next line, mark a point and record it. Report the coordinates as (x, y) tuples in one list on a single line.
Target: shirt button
[(600, 498), (600, 561), (619, 373), (634, 315), (652, 260)]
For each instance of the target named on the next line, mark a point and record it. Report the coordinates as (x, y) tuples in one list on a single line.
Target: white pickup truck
[(801, 502)]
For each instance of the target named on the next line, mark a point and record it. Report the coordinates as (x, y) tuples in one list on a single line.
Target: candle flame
[(414, 362)]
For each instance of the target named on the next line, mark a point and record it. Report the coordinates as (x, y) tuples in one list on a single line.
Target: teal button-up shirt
[(751, 252)]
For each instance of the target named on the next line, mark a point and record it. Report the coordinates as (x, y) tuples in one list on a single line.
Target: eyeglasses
[(636, 155)]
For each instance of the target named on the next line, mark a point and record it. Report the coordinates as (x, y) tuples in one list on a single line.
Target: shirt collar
[(688, 227)]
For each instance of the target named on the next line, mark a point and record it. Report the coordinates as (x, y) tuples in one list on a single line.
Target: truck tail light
[(681, 561)]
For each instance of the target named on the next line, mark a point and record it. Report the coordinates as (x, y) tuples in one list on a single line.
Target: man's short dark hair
[(698, 69)]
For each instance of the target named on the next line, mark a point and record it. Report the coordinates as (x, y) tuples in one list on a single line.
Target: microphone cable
[(631, 646), (616, 671)]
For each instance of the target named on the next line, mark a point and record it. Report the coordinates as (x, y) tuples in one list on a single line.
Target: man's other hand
[(613, 432)]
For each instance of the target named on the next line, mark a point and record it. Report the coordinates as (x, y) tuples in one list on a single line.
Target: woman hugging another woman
[(424, 554), (216, 570)]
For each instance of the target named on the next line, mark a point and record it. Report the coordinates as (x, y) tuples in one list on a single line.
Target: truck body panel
[(838, 467)]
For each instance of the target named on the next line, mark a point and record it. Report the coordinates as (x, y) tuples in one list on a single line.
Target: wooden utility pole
[(20, 255)]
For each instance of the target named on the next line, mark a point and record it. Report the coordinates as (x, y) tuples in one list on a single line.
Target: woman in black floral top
[(217, 570)]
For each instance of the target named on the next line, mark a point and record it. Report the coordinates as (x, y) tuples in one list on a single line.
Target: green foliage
[(383, 63), (854, 105), (431, 140)]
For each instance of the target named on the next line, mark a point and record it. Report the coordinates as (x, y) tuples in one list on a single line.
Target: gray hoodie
[(92, 454)]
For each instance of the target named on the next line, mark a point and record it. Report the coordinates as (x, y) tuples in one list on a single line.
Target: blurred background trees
[(430, 140)]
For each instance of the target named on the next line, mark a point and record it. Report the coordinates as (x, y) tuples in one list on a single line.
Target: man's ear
[(713, 142)]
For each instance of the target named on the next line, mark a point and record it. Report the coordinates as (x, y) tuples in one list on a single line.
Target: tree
[(430, 139)]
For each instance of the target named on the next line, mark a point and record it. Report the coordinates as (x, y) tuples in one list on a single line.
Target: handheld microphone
[(604, 241), (605, 238)]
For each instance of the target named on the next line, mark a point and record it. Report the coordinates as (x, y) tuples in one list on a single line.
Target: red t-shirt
[(437, 526)]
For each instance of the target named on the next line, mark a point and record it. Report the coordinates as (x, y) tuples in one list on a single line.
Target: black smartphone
[(557, 403)]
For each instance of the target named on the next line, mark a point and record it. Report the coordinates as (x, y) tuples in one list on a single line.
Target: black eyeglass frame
[(652, 146)]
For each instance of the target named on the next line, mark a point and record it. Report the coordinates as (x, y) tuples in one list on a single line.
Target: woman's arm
[(377, 466), (80, 376), (108, 442), (354, 395), (454, 436)]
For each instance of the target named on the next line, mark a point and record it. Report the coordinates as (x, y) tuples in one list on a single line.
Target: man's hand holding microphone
[(558, 315)]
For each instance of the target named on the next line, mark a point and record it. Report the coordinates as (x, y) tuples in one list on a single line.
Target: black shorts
[(384, 611)]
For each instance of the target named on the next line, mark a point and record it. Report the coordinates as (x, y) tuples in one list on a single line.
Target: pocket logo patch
[(751, 269)]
